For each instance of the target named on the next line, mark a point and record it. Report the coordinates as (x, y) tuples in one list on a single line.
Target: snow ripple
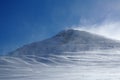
[(87, 65)]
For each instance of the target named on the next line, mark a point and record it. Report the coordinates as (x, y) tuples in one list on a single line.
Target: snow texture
[(67, 41), (69, 55)]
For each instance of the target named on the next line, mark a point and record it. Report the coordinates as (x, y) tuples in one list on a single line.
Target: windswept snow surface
[(70, 55), (84, 65), (67, 41)]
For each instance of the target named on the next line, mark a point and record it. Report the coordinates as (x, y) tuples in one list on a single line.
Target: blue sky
[(27, 21)]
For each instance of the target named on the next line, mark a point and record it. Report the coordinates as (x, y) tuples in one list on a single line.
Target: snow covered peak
[(67, 41), (70, 33), (67, 35), (79, 37)]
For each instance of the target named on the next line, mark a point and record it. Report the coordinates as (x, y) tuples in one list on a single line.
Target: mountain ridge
[(67, 41)]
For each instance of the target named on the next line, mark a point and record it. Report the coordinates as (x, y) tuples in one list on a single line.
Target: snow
[(84, 65), (69, 55), (67, 40)]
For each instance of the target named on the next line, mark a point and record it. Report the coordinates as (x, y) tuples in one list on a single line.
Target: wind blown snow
[(110, 29), (86, 65)]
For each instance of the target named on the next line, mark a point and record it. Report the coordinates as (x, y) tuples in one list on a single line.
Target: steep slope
[(67, 41)]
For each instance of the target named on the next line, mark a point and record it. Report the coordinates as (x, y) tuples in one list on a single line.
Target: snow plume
[(108, 29)]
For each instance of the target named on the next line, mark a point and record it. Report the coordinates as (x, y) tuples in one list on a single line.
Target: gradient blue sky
[(26, 21)]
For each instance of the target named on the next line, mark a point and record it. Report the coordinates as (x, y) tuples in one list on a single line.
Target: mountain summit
[(67, 41)]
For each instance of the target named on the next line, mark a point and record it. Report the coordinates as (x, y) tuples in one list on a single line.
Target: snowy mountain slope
[(69, 55), (67, 41)]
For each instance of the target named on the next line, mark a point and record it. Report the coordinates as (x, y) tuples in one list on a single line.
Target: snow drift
[(69, 55)]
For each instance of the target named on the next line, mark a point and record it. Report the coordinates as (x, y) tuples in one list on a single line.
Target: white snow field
[(84, 65), (69, 55)]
